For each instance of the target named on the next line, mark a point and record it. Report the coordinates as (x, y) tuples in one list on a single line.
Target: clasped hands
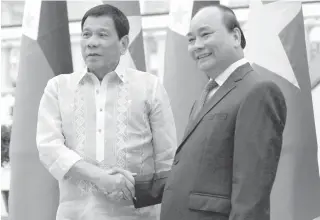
[(118, 183)]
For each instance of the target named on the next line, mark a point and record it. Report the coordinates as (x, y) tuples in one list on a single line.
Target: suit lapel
[(218, 96), (224, 90), (191, 118)]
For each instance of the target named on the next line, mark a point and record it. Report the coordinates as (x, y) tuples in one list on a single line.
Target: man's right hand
[(115, 182), (126, 173)]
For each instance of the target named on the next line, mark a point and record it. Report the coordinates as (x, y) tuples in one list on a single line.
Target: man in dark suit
[(226, 164)]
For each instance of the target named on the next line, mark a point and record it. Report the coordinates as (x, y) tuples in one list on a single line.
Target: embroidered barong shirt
[(125, 120)]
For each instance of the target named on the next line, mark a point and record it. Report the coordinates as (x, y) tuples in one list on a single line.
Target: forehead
[(100, 22), (210, 17)]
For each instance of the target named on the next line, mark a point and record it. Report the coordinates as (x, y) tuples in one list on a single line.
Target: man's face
[(100, 46), (210, 43)]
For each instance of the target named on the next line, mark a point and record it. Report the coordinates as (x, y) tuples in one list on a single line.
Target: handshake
[(117, 184)]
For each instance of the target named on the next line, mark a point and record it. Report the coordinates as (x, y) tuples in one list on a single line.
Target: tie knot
[(210, 85)]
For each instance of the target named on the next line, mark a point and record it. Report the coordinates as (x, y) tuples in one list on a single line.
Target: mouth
[(93, 55), (201, 56)]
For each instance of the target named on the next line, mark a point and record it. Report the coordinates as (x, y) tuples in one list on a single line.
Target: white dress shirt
[(125, 121), (221, 78)]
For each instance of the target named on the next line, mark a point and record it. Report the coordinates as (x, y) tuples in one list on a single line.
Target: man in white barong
[(105, 116)]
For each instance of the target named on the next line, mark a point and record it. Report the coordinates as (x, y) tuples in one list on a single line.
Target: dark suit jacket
[(225, 166)]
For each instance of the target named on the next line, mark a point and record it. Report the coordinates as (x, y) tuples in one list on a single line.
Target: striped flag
[(182, 80), (276, 47), (134, 57), (45, 53)]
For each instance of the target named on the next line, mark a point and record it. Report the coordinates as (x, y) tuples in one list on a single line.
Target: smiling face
[(211, 45), (100, 45)]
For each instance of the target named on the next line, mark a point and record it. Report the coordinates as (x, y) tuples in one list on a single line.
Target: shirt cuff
[(63, 164)]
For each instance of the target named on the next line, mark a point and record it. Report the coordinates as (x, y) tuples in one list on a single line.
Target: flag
[(313, 51), (134, 57), (45, 52), (276, 47), (182, 80)]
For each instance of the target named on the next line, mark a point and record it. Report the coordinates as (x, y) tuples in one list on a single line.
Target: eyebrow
[(202, 28), (205, 27), (188, 34), (99, 29)]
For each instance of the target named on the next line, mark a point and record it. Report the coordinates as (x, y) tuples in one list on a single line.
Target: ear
[(237, 37), (124, 44)]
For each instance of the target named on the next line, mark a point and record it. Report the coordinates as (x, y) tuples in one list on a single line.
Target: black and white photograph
[(160, 110)]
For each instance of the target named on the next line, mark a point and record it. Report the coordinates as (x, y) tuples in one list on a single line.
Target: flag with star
[(182, 80), (45, 52), (276, 47), (134, 57)]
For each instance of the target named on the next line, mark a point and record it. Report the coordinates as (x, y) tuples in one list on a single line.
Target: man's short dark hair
[(231, 22), (119, 19)]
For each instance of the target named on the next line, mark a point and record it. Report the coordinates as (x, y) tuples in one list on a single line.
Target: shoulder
[(134, 74), (266, 85), (266, 88), (258, 90), (63, 81), (64, 78), (143, 79), (265, 92), (260, 84)]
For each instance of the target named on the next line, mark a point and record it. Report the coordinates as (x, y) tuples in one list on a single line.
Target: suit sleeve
[(257, 146), (149, 189)]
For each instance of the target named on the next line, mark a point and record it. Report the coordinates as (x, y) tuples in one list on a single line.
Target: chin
[(92, 65), (205, 67)]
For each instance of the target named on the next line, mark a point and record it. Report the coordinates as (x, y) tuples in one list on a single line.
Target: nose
[(196, 46), (92, 42)]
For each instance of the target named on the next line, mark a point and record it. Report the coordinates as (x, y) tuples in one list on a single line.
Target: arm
[(60, 160), (149, 189), (257, 147), (83, 170)]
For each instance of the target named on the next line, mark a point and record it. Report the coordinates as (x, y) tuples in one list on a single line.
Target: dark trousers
[(5, 196)]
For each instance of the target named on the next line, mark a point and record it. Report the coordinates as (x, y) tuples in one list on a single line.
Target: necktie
[(204, 96)]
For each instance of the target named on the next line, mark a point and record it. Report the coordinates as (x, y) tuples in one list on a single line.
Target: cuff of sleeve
[(152, 177), (63, 164), (144, 178)]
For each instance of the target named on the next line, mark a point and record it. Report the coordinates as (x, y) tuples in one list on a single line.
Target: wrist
[(97, 176), (106, 182)]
